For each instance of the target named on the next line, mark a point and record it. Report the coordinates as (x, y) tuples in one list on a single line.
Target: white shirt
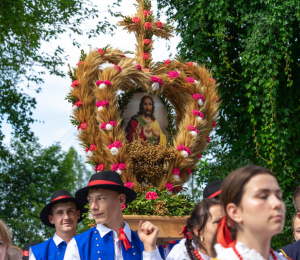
[(72, 252), (244, 251), (57, 240), (179, 252)]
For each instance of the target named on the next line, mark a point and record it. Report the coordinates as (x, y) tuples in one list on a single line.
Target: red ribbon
[(223, 234), (186, 233), (215, 194), (97, 182), (25, 253), (61, 197), (124, 239)]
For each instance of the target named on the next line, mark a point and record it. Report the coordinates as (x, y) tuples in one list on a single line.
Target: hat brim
[(46, 210), (129, 193)]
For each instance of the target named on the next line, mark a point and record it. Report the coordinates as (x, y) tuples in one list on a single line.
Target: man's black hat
[(26, 249), (109, 180), (212, 190), (61, 196)]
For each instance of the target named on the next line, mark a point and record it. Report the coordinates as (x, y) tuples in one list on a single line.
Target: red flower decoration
[(190, 63), (147, 41), (190, 80), (146, 13), (192, 128), (173, 74), (214, 124), (135, 19), (138, 67), (75, 83), (145, 56), (199, 156), (169, 187), (118, 68), (151, 195), (189, 171), (198, 96), (105, 103), (129, 185), (78, 103), (83, 126), (79, 63), (212, 80), (92, 147), (156, 79), (124, 206), (99, 168), (208, 139), (167, 62), (148, 26), (159, 25), (178, 189), (115, 167), (101, 52)]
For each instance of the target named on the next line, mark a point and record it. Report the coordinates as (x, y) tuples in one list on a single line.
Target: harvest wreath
[(100, 95)]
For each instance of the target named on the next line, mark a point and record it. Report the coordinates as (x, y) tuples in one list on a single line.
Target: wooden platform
[(169, 227)]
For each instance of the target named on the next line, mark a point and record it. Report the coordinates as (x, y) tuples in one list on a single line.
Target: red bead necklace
[(196, 253), (240, 257)]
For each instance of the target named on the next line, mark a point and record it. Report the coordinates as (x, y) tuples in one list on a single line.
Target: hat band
[(25, 253), (97, 182), (61, 197), (215, 194)]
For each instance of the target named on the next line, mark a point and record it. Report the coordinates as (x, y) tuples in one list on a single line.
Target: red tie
[(123, 238)]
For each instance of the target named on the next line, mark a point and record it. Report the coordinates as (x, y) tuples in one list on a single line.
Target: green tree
[(24, 26), (252, 48), (29, 175)]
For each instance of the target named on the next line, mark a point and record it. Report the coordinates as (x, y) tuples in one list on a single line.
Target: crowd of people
[(236, 220)]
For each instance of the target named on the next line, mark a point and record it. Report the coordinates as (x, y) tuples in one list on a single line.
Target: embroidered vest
[(92, 246), (48, 250)]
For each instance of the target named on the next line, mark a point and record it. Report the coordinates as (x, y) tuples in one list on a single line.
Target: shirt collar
[(103, 230), (57, 240)]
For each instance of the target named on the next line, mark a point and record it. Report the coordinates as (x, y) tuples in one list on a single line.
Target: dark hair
[(296, 199), (199, 217), (233, 189), (141, 110)]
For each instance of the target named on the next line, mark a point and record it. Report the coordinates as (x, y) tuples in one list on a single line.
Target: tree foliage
[(29, 176), (252, 48), (25, 25)]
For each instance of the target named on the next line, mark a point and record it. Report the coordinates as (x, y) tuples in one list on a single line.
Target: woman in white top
[(254, 213), (199, 232)]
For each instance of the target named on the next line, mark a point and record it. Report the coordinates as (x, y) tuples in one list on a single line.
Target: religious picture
[(147, 125)]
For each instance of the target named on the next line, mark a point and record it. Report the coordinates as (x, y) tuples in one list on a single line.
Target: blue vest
[(292, 250), (48, 250), (92, 246)]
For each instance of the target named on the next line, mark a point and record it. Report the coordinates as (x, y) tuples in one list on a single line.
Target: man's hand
[(148, 235), (138, 129)]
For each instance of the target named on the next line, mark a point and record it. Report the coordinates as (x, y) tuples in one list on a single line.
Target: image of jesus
[(144, 126)]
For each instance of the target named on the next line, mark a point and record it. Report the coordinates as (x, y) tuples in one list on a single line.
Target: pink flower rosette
[(75, 83), (148, 26), (108, 126), (124, 206), (135, 20), (173, 74), (101, 104), (189, 171), (191, 64), (176, 174), (169, 187), (214, 124), (200, 99), (129, 184), (114, 147), (156, 83), (151, 195), (147, 41), (146, 13), (159, 24), (99, 168), (100, 51), (103, 84), (198, 115), (119, 168), (90, 151), (167, 62), (194, 131), (185, 151), (145, 56), (138, 67)]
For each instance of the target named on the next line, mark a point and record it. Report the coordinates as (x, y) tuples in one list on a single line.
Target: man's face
[(105, 205), (64, 217), (147, 107)]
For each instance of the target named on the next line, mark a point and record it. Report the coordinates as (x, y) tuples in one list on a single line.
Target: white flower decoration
[(80, 131), (200, 102), (90, 153), (100, 108), (102, 86), (119, 171), (90, 216), (196, 82), (155, 86), (109, 127), (114, 151), (193, 133), (184, 154), (199, 118), (176, 177)]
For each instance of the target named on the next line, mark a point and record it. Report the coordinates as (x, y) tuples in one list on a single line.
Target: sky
[(52, 109)]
